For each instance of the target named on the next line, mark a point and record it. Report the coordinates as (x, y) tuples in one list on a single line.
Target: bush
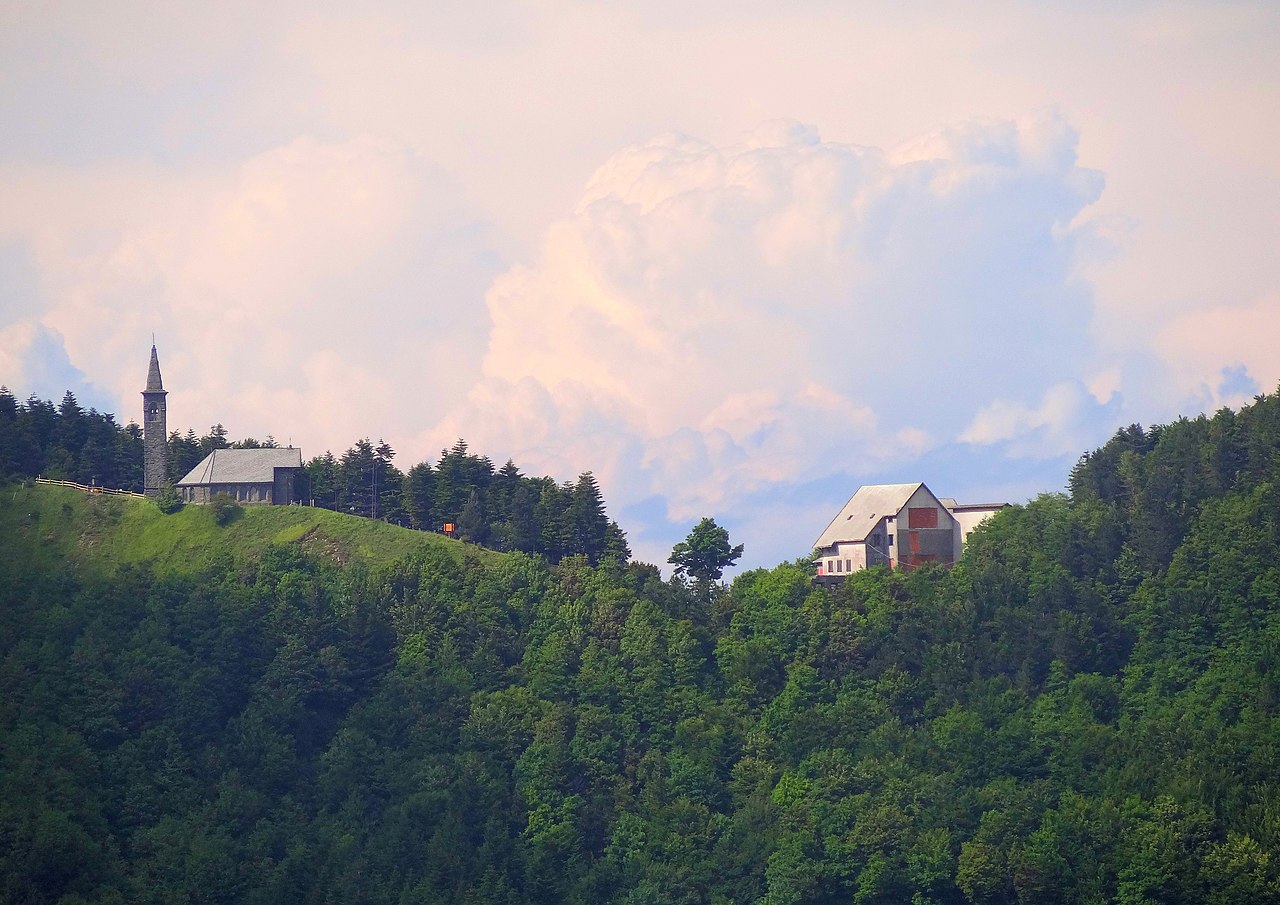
[(168, 499), (225, 508)]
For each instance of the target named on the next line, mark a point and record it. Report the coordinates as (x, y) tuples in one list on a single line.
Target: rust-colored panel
[(914, 540), (922, 517)]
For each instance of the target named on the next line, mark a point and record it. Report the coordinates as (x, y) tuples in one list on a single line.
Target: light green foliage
[(105, 532)]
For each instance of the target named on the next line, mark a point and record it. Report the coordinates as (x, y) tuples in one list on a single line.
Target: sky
[(736, 259)]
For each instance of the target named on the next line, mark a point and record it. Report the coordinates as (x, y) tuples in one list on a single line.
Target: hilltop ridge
[(46, 526)]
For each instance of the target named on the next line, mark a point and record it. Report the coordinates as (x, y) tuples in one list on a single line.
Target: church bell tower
[(155, 453)]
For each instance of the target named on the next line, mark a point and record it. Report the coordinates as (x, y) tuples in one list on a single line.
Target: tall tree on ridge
[(704, 555)]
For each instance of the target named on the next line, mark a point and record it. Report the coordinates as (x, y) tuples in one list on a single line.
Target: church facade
[(271, 476)]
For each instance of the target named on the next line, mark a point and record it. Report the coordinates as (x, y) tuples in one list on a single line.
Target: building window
[(848, 566), (890, 540)]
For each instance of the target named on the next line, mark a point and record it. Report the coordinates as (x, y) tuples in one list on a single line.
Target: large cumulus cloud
[(714, 323)]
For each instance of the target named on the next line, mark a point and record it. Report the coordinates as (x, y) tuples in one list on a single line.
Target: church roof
[(154, 383), (242, 466), (864, 510)]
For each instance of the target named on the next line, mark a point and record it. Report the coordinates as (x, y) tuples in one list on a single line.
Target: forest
[(1085, 709), (501, 508)]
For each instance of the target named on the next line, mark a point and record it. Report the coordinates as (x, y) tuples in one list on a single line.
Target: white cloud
[(1064, 422), (322, 291), (1197, 346), (34, 362), (714, 323)]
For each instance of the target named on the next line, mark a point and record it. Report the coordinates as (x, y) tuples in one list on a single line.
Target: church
[(271, 477)]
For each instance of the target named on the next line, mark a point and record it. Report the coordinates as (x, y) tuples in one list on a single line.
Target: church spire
[(154, 382), (155, 452)]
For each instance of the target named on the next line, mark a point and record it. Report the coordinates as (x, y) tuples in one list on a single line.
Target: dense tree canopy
[(1085, 709)]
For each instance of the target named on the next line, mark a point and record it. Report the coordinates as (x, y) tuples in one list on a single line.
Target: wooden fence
[(89, 488)]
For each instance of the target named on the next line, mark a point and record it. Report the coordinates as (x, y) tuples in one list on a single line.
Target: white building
[(896, 525)]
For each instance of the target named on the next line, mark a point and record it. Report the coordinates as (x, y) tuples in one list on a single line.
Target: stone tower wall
[(155, 452)]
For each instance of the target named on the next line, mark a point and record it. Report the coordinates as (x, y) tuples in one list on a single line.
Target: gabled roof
[(864, 510), (242, 466)]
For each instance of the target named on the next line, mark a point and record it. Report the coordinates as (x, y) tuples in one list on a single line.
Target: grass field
[(45, 526)]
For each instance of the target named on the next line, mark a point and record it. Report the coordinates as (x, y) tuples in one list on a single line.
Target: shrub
[(225, 508), (168, 499)]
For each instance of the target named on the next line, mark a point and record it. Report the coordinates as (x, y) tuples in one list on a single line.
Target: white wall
[(852, 557), (967, 520)]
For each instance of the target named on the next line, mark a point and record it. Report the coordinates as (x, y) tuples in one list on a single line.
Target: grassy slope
[(47, 526)]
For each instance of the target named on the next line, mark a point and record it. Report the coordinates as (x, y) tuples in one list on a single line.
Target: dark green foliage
[(67, 443), (1085, 709), (184, 454), (224, 508), (502, 509), (169, 500), (704, 555)]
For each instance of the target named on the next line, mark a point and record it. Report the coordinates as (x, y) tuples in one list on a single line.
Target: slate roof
[(864, 510), (242, 466)]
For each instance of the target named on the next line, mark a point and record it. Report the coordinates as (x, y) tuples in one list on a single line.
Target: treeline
[(1085, 710), (67, 443), (502, 509)]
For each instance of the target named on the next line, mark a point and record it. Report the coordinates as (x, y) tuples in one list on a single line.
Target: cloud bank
[(343, 222), (317, 289), (714, 325)]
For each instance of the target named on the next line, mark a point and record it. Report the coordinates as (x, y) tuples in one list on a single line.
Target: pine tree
[(471, 522), (419, 497), (585, 521), (356, 478), (215, 439), (322, 475)]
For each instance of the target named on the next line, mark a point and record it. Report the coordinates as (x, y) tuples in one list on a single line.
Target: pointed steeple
[(154, 383), (155, 452)]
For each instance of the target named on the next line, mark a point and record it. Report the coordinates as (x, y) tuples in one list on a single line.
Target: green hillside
[(302, 708), (49, 526)]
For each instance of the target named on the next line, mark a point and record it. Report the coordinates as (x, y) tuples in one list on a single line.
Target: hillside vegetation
[(1085, 710), (51, 527)]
